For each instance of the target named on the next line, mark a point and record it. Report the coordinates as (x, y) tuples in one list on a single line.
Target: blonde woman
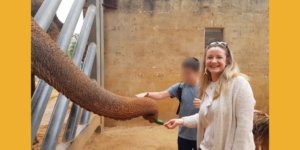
[(225, 119)]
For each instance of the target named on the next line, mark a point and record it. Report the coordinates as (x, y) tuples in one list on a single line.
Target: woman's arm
[(244, 106), (189, 121), (155, 95)]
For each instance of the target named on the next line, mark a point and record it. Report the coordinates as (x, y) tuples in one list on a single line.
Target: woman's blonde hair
[(231, 71)]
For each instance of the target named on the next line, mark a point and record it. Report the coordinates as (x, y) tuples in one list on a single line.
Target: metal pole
[(73, 119), (39, 102), (46, 13), (70, 23), (84, 32), (102, 42), (102, 49), (36, 92), (62, 103), (43, 18), (85, 116), (98, 41)]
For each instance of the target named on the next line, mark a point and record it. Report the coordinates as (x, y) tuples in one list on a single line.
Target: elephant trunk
[(49, 63)]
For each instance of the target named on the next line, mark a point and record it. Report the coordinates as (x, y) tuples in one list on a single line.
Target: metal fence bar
[(71, 22), (46, 13), (73, 119), (71, 127), (38, 93), (39, 102), (85, 32), (101, 12), (98, 41), (43, 18), (62, 103), (85, 117)]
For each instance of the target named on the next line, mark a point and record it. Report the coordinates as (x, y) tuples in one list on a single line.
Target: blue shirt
[(189, 93)]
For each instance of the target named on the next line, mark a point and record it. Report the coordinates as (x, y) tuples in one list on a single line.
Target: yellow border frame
[(15, 75), (284, 75)]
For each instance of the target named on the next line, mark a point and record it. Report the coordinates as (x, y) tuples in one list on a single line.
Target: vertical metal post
[(102, 49), (62, 103), (98, 41), (102, 42), (39, 102), (46, 13), (73, 119)]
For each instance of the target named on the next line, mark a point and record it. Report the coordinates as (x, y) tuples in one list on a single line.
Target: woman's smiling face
[(215, 60)]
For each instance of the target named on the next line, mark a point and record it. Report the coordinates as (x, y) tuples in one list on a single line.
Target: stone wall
[(146, 40)]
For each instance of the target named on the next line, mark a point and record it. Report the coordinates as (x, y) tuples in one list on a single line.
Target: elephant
[(49, 63)]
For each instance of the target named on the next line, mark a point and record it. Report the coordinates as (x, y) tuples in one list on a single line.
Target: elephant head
[(49, 63)]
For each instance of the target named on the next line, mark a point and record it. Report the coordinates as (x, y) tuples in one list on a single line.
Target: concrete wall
[(146, 40)]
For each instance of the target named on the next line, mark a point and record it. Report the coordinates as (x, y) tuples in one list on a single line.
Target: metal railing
[(41, 96), (73, 119)]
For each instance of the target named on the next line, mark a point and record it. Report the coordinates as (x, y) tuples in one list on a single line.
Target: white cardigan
[(234, 120)]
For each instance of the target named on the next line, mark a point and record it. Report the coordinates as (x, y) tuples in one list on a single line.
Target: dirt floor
[(134, 138)]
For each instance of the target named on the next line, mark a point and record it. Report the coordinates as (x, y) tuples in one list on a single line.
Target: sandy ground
[(134, 138)]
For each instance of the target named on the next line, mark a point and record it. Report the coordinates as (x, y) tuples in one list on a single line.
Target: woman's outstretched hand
[(173, 123)]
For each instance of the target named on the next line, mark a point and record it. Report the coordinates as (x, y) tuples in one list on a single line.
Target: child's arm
[(155, 95)]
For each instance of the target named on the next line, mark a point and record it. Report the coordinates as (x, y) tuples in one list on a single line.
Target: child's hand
[(197, 102), (173, 123), (145, 94)]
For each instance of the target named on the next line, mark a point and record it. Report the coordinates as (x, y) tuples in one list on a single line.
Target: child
[(186, 92)]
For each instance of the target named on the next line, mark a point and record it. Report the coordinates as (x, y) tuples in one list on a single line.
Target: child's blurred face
[(189, 76)]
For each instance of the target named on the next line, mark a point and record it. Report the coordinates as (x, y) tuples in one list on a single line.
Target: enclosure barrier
[(41, 101), (73, 119), (42, 93), (62, 103)]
